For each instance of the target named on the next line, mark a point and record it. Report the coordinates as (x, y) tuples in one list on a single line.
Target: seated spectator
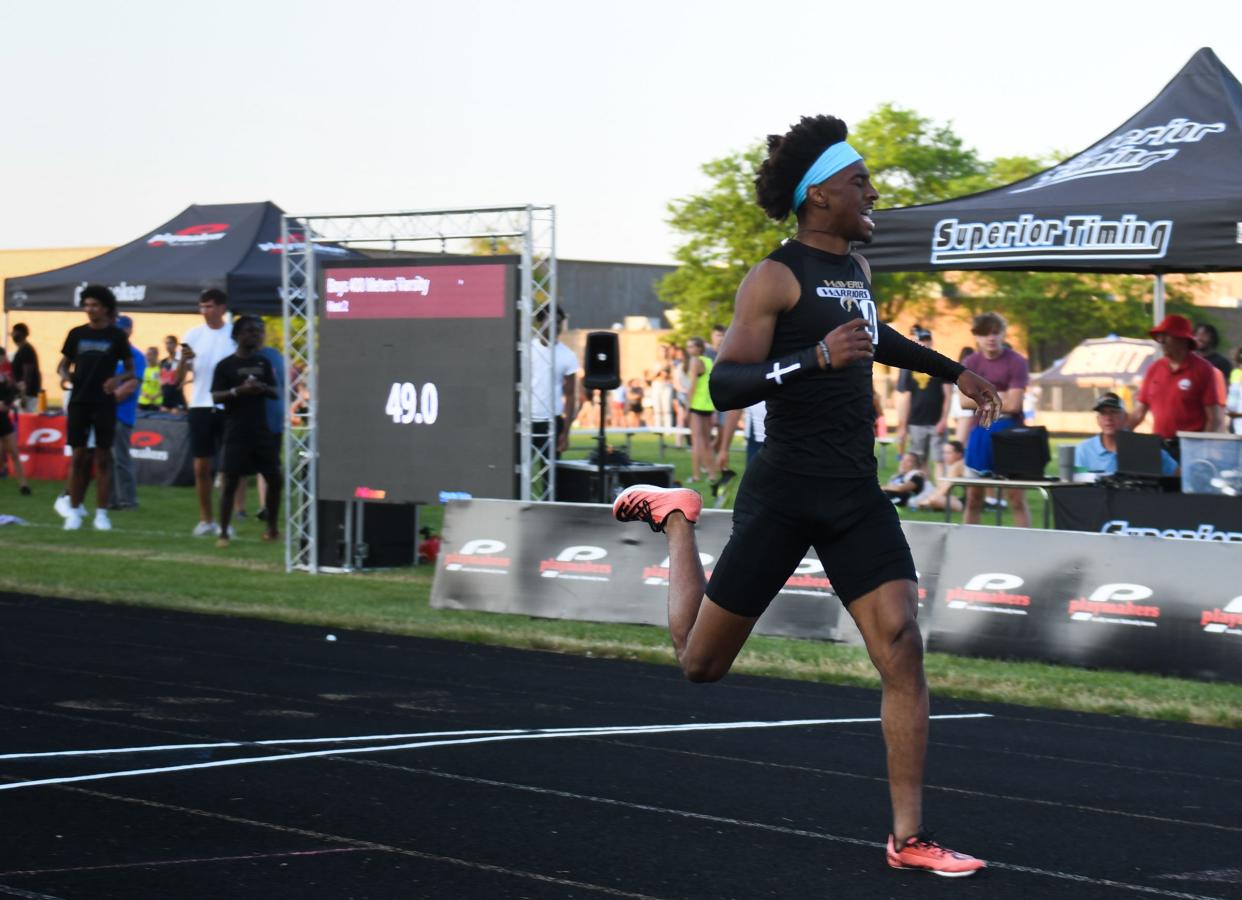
[(955, 467), (1098, 454), (910, 484)]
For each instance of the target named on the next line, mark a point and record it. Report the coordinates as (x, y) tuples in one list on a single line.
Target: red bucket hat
[(1175, 326)]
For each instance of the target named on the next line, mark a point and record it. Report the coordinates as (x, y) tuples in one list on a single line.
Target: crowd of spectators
[(235, 413), (1193, 387)]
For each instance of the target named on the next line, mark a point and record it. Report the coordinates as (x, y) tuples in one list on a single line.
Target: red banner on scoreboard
[(415, 292)]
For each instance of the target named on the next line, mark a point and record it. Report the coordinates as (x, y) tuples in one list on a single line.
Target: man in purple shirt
[(1007, 369)]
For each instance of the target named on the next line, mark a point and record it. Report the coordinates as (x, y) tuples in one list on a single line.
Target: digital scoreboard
[(417, 379)]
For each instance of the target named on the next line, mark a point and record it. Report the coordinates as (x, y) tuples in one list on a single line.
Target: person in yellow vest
[(151, 392), (702, 413)]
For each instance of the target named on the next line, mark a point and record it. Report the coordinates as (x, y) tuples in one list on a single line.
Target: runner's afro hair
[(789, 156)]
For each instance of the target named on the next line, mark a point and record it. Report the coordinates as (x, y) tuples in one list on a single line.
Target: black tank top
[(823, 424)]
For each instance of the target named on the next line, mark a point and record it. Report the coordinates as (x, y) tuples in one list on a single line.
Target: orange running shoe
[(922, 852), (653, 505)]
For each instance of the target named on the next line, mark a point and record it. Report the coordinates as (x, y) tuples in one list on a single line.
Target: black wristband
[(739, 385)]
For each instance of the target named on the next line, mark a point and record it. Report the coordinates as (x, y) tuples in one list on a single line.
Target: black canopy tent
[(232, 246), (1162, 193)]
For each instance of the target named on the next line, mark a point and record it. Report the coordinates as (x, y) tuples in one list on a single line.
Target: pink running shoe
[(653, 505), (922, 852)]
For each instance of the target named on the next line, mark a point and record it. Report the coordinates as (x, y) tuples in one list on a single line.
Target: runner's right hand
[(849, 343)]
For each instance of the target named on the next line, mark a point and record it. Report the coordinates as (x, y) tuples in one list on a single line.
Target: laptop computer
[(1021, 453), (1139, 456)]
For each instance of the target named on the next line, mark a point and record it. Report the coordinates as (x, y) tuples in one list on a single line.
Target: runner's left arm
[(895, 349)]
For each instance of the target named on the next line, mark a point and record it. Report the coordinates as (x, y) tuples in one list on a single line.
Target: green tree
[(726, 233), (1058, 310)]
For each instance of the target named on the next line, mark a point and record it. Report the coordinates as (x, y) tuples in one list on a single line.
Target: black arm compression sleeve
[(738, 385), (896, 350)]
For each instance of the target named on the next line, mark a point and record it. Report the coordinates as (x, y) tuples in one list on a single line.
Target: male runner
[(803, 338)]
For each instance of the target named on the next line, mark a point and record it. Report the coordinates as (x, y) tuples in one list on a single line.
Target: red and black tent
[(233, 246)]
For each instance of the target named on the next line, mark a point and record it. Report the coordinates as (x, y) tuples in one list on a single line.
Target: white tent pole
[(1157, 304)]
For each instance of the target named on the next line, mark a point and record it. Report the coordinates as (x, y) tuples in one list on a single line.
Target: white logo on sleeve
[(777, 372)]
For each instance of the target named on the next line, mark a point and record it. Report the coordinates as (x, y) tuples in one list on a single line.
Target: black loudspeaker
[(602, 361), (386, 529), (577, 481)]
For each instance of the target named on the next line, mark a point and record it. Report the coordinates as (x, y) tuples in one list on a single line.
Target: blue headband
[(830, 162)]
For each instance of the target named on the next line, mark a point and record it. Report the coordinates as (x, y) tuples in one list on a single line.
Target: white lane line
[(28, 895), (160, 748), (781, 829), (629, 729), (486, 738)]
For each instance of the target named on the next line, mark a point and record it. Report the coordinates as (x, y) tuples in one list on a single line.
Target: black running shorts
[(248, 456), (778, 516), (82, 417), (206, 431)]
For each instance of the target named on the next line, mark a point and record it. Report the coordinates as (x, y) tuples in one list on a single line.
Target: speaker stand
[(602, 449)]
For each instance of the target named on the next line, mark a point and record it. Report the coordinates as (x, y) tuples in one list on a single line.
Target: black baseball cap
[(1108, 401)]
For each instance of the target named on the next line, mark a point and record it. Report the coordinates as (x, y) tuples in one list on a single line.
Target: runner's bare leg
[(887, 618), (706, 638)]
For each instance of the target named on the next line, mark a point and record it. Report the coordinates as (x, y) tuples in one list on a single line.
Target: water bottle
[(1065, 462)]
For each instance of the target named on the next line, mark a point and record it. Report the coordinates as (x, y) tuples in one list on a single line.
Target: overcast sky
[(117, 115)]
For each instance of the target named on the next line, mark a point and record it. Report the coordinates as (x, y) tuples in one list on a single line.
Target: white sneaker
[(73, 521), (62, 506), (102, 522), (203, 529)]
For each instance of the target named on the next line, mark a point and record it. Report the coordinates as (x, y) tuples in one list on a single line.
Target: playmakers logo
[(124, 292), (990, 592), (296, 243), (480, 556), (1116, 604), (657, 576), (579, 563), (1027, 238), (808, 578), (142, 445), (1224, 621), (194, 236), (1135, 150)]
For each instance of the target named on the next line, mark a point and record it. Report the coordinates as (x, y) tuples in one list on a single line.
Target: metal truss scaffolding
[(526, 230)]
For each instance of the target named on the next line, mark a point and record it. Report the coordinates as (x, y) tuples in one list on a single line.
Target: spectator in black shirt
[(26, 369), (88, 369), (1207, 339), (244, 382), (8, 434), (922, 408)]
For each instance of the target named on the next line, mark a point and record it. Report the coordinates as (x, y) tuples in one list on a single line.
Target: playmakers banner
[(1139, 603)]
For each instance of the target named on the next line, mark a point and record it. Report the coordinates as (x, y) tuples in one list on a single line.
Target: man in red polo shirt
[(1182, 389)]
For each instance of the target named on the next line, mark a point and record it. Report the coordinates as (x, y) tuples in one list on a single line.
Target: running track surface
[(551, 781)]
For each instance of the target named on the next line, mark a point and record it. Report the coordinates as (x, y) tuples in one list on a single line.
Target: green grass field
[(150, 559)]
